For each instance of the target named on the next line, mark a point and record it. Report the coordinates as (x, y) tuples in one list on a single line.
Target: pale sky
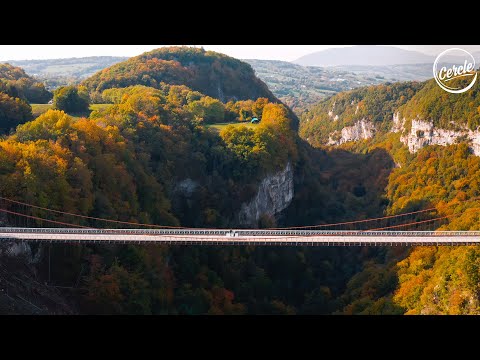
[(266, 52)]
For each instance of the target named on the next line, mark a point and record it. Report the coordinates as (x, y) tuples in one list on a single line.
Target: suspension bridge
[(34, 223)]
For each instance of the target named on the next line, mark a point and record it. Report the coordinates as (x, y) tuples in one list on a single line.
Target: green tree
[(13, 112), (71, 99), (208, 110)]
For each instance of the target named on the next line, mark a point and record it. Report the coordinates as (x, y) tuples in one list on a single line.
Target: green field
[(99, 107), (220, 127), (39, 109)]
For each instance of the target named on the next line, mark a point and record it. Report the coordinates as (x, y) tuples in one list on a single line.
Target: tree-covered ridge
[(126, 163), (433, 280), (376, 104), (17, 89), (445, 110), (210, 73), (151, 140), (17, 84)]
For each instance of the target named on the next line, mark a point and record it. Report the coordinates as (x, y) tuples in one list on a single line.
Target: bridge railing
[(240, 232)]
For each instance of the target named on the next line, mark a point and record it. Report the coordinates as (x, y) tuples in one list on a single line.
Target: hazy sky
[(270, 52)]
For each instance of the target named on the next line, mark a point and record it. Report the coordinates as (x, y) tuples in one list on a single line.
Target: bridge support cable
[(22, 214)]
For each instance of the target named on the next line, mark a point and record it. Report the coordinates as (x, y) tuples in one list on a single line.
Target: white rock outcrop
[(362, 130), (398, 124), (274, 195), (423, 133)]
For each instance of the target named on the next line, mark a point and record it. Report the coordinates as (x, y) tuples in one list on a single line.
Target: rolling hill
[(211, 73)]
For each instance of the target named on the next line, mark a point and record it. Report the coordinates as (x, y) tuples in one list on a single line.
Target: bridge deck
[(243, 237)]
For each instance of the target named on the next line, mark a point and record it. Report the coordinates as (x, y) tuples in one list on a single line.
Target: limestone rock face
[(424, 133), (362, 130), (274, 195), (398, 123)]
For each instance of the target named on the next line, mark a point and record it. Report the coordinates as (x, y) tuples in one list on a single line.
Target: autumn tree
[(208, 110), (17, 84), (72, 99), (13, 112)]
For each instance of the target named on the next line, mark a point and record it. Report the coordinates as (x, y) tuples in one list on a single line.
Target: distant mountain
[(434, 50), (364, 55)]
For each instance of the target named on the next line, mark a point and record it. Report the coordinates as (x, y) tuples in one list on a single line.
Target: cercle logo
[(455, 63)]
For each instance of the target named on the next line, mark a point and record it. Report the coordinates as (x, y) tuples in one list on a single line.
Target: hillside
[(175, 146), (433, 138), (152, 157), (301, 86), (210, 73), (422, 113), (17, 89), (356, 114), (295, 85), (16, 83)]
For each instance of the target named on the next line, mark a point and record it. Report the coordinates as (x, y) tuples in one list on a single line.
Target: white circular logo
[(454, 64)]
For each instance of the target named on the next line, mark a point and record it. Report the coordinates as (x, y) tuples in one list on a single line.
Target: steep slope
[(152, 158), (431, 135), (16, 83), (435, 117), (211, 73), (355, 115), (422, 113)]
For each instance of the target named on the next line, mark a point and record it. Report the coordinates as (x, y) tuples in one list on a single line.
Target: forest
[(211, 73), (152, 157), (17, 84), (376, 104), (424, 280)]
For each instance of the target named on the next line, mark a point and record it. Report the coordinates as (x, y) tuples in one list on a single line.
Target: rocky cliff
[(423, 133), (362, 130), (18, 249), (274, 195)]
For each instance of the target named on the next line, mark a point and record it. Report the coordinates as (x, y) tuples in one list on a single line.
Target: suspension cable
[(186, 228), (413, 223), (354, 222), (369, 220), (41, 219), (89, 217)]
